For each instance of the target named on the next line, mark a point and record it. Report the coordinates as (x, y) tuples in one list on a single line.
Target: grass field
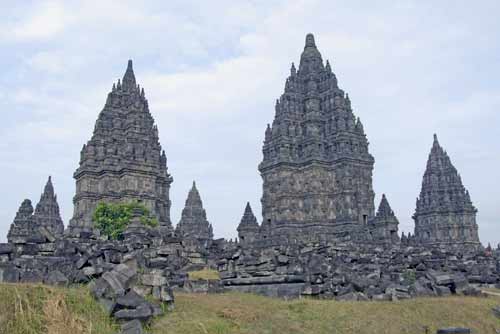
[(38, 309)]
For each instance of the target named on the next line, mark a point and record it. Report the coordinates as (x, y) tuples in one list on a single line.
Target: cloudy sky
[(212, 71)]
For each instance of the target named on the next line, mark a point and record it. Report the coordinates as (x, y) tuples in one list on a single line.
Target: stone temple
[(248, 229), (316, 170), (194, 224), (123, 161), (34, 226), (444, 214)]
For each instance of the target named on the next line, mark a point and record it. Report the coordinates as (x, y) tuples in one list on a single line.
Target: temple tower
[(384, 227), (47, 210), (316, 169), (123, 161), (444, 213), (248, 229), (23, 229), (194, 224)]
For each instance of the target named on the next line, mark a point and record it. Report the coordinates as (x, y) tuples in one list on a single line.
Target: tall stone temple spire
[(123, 161), (194, 223), (248, 229), (47, 210), (384, 228), (316, 169), (444, 213)]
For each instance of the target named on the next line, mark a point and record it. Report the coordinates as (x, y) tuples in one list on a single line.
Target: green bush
[(111, 219)]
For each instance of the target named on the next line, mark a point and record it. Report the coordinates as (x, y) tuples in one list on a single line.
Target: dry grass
[(204, 274), (37, 309), (245, 313)]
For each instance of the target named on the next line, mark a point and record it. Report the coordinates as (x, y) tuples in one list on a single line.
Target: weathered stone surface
[(248, 229), (496, 311), (194, 223), (47, 213), (6, 248), (153, 279), (56, 277), (454, 330), (123, 160), (9, 274), (444, 214), (315, 156), (384, 227), (130, 300), (142, 312), (132, 327)]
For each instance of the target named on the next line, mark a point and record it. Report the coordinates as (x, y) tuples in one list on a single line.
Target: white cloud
[(45, 21)]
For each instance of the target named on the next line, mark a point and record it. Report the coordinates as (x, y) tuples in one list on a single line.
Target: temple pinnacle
[(310, 41), (128, 81)]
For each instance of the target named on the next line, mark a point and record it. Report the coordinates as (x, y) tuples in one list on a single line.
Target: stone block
[(454, 330), (496, 311), (131, 300), (115, 283), (143, 312), (9, 274), (56, 277), (153, 279), (32, 276), (6, 248), (159, 262), (132, 327)]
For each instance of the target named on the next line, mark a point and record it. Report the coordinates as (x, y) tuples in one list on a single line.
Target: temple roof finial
[(310, 41), (128, 81), (436, 142)]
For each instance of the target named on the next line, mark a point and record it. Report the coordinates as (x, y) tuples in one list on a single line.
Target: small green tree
[(111, 219)]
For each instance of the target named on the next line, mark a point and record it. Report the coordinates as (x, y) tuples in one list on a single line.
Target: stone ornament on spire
[(128, 81)]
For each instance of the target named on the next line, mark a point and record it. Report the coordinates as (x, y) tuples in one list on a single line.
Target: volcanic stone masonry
[(46, 221), (316, 171), (123, 161), (194, 224), (444, 214)]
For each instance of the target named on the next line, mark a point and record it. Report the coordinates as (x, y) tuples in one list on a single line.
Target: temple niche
[(123, 161)]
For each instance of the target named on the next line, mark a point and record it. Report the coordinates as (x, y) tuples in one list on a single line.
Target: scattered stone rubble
[(352, 272)]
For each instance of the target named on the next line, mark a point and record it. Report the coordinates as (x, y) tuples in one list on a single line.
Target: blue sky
[(212, 71)]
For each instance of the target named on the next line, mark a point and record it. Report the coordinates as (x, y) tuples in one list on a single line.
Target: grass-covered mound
[(244, 313), (39, 309)]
